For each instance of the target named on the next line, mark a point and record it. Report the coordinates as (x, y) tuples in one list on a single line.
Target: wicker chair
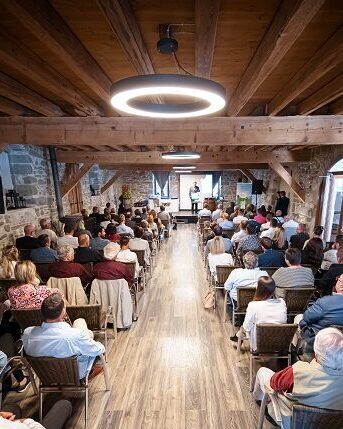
[(43, 270), (297, 298), (272, 341), (62, 375), (303, 416), (28, 317)]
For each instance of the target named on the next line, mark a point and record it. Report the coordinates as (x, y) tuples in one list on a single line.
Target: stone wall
[(230, 178)]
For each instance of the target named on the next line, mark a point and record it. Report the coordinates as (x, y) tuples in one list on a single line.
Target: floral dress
[(29, 296)]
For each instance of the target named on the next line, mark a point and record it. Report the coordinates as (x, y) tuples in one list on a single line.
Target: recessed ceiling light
[(183, 171), (184, 167), (180, 155)]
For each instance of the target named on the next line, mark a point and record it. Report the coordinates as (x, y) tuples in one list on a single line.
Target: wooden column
[(293, 184)]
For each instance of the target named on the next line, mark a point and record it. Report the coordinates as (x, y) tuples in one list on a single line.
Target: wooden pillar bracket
[(69, 183), (292, 183), (111, 181)]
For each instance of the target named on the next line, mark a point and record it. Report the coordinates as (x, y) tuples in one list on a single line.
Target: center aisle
[(174, 368)]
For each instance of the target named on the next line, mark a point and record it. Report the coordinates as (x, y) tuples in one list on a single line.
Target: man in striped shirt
[(294, 275)]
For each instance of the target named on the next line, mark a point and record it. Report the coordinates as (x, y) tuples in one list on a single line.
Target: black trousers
[(194, 207)]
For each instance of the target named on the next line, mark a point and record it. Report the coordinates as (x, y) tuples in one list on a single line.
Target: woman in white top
[(217, 255), (264, 308), (126, 255), (9, 259)]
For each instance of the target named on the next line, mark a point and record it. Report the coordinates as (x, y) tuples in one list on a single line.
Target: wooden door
[(75, 199)]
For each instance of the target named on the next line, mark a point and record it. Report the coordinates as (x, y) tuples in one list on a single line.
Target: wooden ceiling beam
[(30, 65), (42, 20), (336, 108), (112, 180), (71, 182), (324, 60), (292, 183), (19, 93), (14, 109), (288, 23), (324, 95), (199, 167), (225, 131), (248, 174), (206, 20)]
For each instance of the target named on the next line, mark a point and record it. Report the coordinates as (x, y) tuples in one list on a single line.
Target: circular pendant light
[(126, 93), (180, 155)]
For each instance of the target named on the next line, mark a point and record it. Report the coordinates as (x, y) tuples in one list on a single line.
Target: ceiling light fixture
[(184, 167), (183, 171), (180, 155)]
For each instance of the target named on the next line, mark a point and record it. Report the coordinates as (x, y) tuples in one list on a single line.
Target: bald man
[(84, 254), (28, 241)]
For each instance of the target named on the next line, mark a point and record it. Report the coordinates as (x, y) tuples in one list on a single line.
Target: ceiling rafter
[(14, 109), (291, 182)]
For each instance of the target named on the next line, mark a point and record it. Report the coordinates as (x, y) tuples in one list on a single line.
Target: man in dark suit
[(29, 241), (270, 257), (282, 203)]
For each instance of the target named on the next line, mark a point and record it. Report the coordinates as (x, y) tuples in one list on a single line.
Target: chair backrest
[(7, 283), (244, 296), (28, 317), (88, 267), (274, 338), (43, 270), (71, 288), (55, 371), (297, 298), (270, 270), (91, 313), (203, 219), (24, 254), (140, 256), (228, 232), (223, 272), (307, 417), (131, 267)]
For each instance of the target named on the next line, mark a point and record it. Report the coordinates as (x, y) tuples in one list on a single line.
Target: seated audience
[(294, 275), (290, 226), (249, 243), (204, 211), (317, 233), (110, 269), (106, 221), (163, 214), (279, 241), (266, 225), (144, 214), (217, 213), (270, 210), (152, 225), (270, 232), (250, 211), (95, 214), (122, 228), (278, 216), (111, 233), (313, 252), (298, 240), (56, 338), (264, 308), (231, 209), (260, 217), (98, 242), (9, 259), (128, 221), (318, 383), (126, 255), (270, 257), (137, 218), (45, 225), (244, 277), (237, 236), (330, 256), (84, 254), (235, 212), (66, 267), (44, 253), (240, 217), (217, 255), (328, 280), (68, 237), (138, 243), (29, 241), (147, 233), (225, 223), (226, 241), (27, 293)]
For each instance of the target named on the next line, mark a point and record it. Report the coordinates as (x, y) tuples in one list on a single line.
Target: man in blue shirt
[(44, 253), (270, 257), (56, 338)]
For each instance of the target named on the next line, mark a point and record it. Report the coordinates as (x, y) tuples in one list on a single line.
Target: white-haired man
[(318, 383), (45, 225)]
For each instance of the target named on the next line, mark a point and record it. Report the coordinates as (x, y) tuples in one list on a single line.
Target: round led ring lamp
[(125, 95)]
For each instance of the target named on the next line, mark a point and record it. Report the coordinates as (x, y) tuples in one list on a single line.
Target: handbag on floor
[(208, 299)]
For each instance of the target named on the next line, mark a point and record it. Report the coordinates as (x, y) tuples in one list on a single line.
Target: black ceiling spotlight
[(166, 44)]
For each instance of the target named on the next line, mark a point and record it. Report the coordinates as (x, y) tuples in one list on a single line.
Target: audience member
[(29, 241), (279, 241), (44, 253), (249, 243), (147, 233), (217, 255), (240, 217), (45, 225), (122, 228), (98, 242), (270, 257), (106, 221), (317, 233), (137, 218), (225, 223), (152, 225), (328, 281), (270, 210), (111, 233), (266, 225), (294, 275), (313, 252), (237, 236), (226, 241), (138, 243), (9, 259), (68, 237), (163, 215), (144, 214), (66, 267), (298, 240), (330, 256), (56, 338), (27, 293), (244, 277), (260, 218), (270, 232), (95, 214), (278, 216), (84, 254), (250, 211), (205, 211), (110, 269), (235, 212), (217, 213), (128, 221), (231, 208), (290, 226), (264, 308), (126, 255)]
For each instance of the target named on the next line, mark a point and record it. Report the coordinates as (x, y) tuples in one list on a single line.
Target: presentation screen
[(204, 181)]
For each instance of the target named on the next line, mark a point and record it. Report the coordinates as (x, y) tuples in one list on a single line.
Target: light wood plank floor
[(175, 368)]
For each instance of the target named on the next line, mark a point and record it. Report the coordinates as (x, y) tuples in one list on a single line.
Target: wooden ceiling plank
[(72, 181), (325, 59), (199, 167), (42, 20), (336, 108), (19, 93), (14, 109), (206, 19), (323, 96), (113, 179), (284, 174), (289, 22), (247, 173)]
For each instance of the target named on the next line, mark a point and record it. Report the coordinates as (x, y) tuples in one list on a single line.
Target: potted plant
[(126, 193)]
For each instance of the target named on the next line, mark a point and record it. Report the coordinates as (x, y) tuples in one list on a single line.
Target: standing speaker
[(257, 187)]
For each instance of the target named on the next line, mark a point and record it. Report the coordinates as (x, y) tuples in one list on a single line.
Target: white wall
[(204, 181)]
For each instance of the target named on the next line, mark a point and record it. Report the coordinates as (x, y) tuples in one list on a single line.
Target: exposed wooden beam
[(14, 109), (293, 184), (199, 167), (19, 93), (206, 19), (336, 108), (42, 20), (324, 95), (30, 65), (72, 181), (325, 59), (112, 180), (288, 23), (233, 157), (225, 131), (247, 173)]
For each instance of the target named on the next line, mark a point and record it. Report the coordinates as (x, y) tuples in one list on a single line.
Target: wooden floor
[(175, 367)]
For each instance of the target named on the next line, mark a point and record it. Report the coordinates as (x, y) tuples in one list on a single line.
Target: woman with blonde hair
[(152, 225), (279, 239), (217, 255), (9, 259), (27, 294)]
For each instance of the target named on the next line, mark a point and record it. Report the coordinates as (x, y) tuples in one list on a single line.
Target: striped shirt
[(287, 277)]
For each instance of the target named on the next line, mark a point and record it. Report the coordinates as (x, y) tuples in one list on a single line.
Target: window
[(216, 191), (165, 191)]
